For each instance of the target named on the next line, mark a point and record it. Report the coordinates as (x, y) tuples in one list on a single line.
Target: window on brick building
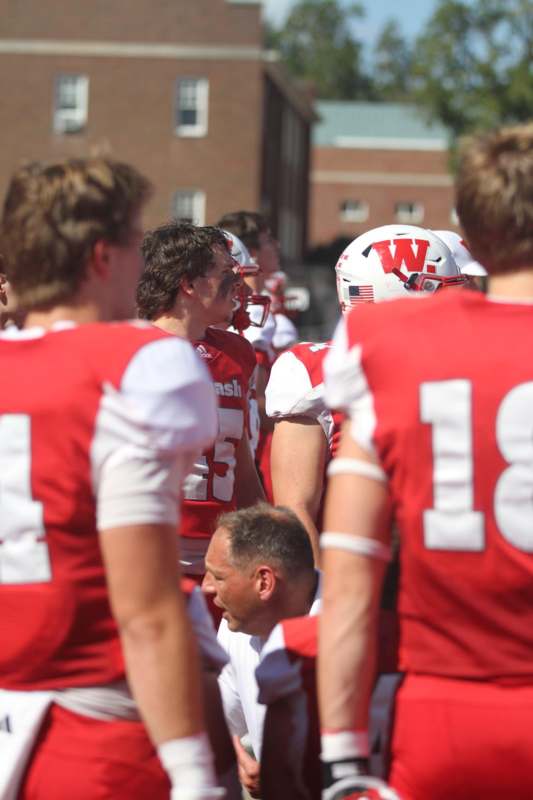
[(192, 98), (409, 213), (188, 205), (71, 103), (354, 211)]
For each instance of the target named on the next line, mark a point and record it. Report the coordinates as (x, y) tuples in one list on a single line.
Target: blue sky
[(410, 16)]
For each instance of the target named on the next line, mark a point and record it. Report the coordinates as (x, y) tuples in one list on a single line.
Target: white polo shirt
[(238, 686)]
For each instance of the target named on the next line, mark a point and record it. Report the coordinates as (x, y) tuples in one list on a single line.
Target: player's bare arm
[(262, 375), (249, 490), (161, 660), (299, 452), (357, 513)]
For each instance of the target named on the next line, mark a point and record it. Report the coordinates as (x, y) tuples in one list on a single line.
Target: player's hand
[(249, 769)]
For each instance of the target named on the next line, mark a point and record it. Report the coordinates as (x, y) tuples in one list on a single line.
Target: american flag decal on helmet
[(360, 294)]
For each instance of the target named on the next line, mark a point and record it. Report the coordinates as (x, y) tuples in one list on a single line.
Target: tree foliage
[(470, 68), (473, 65), (318, 46), (392, 65)]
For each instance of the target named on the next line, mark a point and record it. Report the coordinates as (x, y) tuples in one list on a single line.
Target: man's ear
[(99, 260), (265, 581), (186, 286)]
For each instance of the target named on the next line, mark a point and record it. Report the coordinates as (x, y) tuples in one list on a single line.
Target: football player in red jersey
[(189, 284), (99, 424), (306, 432), (440, 436), (253, 229)]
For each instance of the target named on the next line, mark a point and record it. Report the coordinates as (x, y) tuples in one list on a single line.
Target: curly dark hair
[(247, 225), (173, 252)]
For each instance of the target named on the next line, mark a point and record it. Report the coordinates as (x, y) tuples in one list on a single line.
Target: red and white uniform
[(441, 391), (89, 430), (97, 431), (92, 747), (287, 672), (209, 489), (296, 389)]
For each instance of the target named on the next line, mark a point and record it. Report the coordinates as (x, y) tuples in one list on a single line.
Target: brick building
[(374, 164), (180, 88)]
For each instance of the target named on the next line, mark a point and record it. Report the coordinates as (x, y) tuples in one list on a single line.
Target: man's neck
[(81, 314), (185, 326), (513, 285), (296, 601)]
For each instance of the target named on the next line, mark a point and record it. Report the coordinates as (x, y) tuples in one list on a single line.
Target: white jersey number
[(453, 524), (24, 554), (218, 468)]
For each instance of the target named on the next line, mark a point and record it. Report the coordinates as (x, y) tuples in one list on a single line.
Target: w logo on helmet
[(393, 253)]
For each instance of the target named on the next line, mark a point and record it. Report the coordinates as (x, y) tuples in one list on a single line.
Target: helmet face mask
[(424, 282), (378, 265), (246, 300)]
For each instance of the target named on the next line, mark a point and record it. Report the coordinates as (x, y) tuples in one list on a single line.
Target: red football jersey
[(441, 389), (296, 388), (209, 490), (78, 405)]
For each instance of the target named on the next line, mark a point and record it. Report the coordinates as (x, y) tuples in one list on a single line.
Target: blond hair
[(54, 214), (494, 197)]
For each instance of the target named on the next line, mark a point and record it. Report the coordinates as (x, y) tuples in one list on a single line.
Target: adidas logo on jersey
[(203, 352), (232, 389)]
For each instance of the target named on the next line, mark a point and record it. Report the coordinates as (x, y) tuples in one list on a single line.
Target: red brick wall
[(170, 21), (131, 108), (381, 193)]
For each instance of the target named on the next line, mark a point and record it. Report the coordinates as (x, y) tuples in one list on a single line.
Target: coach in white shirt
[(259, 570)]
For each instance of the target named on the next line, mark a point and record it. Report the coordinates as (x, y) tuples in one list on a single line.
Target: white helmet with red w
[(383, 262)]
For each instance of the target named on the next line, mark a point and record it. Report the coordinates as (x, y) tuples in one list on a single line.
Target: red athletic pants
[(79, 758), (462, 740)]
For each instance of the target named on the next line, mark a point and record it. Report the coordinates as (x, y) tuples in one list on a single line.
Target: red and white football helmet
[(383, 262), (250, 308)]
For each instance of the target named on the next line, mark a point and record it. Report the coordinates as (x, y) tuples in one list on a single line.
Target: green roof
[(376, 125)]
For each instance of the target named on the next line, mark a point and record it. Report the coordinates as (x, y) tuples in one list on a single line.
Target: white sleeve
[(261, 338), (277, 676), (213, 655), (346, 387), (227, 683), (286, 333), (289, 391), (148, 432)]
